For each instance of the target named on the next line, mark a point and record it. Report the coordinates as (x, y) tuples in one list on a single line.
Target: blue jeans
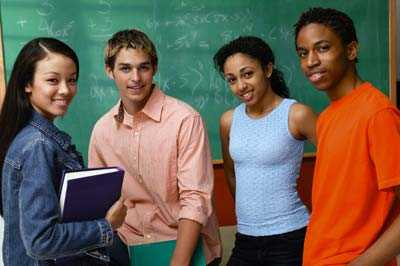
[(118, 252), (275, 250)]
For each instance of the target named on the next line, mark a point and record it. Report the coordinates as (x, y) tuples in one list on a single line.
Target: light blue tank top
[(267, 160)]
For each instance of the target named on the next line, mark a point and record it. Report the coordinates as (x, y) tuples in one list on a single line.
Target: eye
[(125, 69), (52, 81), (302, 53), (144, 68), (230, 80), (323, 48), (248, 74), (72, 81)]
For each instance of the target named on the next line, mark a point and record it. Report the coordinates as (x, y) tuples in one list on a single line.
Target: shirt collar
[(152, 108)]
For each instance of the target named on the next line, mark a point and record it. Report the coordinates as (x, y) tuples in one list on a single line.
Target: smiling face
[(327, 63), (247, 78), (53, 85), (133, 75)]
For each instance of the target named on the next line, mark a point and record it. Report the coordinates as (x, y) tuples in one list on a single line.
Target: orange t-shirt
[(356, 169)]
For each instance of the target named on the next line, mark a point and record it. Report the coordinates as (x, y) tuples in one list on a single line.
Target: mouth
[(62, 102), (247, 96), (316, 76), (135, 89)]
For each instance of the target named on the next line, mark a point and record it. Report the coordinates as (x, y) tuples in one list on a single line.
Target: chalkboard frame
[(392, 63)]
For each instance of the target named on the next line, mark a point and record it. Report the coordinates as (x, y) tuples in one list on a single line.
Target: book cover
[(87, 194), (160, 254)]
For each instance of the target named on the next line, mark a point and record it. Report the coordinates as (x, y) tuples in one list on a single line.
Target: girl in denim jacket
[(33, 155)]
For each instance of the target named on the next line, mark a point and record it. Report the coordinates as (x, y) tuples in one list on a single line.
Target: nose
[(312, 59), (64, 88), (242, 85), (135, 75)]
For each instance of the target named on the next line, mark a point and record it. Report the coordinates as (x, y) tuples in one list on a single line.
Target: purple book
[(88, 194)]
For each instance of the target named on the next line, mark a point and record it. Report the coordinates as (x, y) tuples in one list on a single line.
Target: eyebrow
[(146, 63), (245, 68), (321, 41), (299, 47), (241, 70), (51, 72), (56, 73)]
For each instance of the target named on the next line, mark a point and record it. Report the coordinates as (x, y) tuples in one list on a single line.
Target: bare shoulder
[(226, 119), (302, 120), (300, 113)]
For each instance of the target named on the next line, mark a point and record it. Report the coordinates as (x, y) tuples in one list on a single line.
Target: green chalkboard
[(187, 33)]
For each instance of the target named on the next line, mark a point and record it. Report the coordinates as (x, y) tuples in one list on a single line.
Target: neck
[(345, 85), (135, 107), (268, 103)]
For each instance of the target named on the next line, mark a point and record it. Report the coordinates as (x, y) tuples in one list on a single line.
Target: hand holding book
[(116, 214), (90, 194)]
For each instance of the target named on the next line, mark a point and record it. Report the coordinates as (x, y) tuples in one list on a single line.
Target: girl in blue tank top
[(262, 146)]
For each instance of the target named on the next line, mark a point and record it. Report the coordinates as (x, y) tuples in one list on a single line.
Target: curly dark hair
[(336, 20), (257, 49)]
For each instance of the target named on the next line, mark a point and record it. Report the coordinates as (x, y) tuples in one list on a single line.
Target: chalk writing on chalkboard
[(186, 33)]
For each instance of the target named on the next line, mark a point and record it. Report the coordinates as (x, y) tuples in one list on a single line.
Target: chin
[(320, 87)]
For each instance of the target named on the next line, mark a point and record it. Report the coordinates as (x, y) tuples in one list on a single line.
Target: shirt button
[(148, 236), (136, 133)]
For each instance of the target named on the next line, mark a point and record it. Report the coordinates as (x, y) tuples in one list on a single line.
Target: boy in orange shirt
[(357, 174)]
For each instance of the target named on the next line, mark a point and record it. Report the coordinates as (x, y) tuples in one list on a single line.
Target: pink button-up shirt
[(165, 153)]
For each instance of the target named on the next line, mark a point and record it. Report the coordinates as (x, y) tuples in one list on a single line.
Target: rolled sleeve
[(95, 157), (106, 231), (384, 143), (195, 173)]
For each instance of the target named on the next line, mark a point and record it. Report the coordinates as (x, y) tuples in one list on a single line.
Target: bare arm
[(385, 153), (385, 248), (225, 126), (195, 183), (188, 235), (302, 122)]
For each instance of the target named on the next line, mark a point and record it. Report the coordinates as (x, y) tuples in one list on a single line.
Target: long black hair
[(17, 110), (257, 49)]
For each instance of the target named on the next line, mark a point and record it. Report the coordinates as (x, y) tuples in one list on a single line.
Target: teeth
[(247, 95), (315, 77)]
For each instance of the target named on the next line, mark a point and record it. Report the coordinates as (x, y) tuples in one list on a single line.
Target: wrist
[(179, 262)]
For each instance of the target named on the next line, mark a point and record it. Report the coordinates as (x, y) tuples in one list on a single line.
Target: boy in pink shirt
[(162, 144)]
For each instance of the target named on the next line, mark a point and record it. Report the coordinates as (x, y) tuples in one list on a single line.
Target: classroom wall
[(224, 201), (398, 38)]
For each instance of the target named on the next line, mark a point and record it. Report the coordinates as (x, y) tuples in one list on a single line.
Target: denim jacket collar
[(50, 130)]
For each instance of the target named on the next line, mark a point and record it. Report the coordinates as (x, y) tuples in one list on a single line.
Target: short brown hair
[(131, 38)]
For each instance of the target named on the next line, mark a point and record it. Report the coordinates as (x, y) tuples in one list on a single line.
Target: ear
[(268, 69), (352, 51), (155, 68), (28, 88), (109, 72)]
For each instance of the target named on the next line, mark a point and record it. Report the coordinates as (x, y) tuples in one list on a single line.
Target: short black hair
[(336, 20), (257, 49)]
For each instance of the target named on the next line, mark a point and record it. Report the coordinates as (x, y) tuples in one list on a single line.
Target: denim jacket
[(33, 167)]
